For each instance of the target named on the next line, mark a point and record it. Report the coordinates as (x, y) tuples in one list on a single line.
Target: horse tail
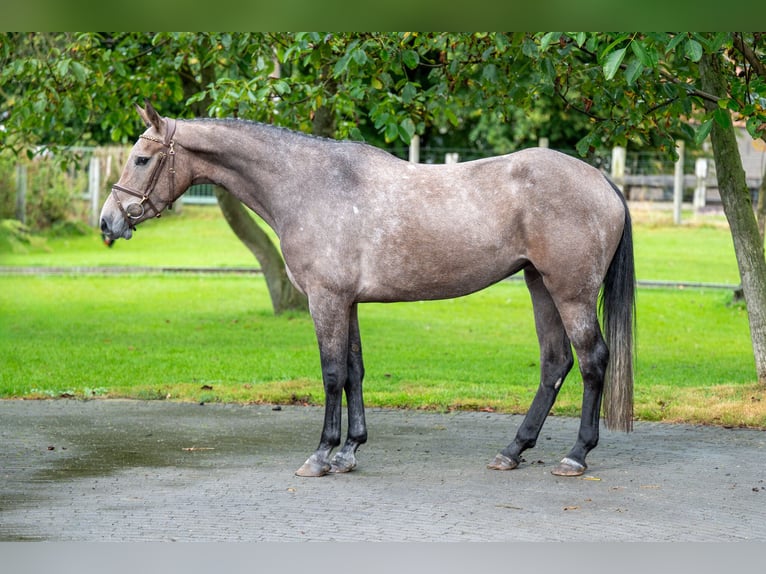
[(618, 309)]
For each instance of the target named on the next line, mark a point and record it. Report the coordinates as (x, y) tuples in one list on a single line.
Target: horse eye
[(142, 160)]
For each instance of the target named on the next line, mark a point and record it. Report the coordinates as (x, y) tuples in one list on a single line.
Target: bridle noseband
[(136, 210)]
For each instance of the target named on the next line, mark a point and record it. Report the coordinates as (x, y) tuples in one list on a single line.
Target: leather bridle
[(135, 211)]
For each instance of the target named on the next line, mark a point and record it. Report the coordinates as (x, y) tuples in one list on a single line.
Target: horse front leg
[(345, 459), (331, 322)]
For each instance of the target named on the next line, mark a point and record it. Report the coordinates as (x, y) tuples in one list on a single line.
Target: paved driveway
[(134, 471)]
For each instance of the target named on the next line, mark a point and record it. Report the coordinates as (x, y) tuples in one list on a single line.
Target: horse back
[(403, 231)]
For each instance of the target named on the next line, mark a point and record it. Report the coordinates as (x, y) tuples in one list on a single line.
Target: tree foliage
[(641, 88), (498, 91), (495, 90)]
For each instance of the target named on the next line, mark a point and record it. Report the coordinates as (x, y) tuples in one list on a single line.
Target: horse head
[(149, 182)]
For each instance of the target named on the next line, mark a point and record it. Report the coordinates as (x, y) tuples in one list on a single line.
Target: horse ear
[(149, 115)]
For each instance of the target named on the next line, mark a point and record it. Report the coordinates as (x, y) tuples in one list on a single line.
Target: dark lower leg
[(345, 459), (318, 464), (555, 363), (332, 331), (529, 430), (593, 367)]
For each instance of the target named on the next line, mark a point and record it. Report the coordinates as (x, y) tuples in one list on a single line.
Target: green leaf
[(489, 73), (62, 68), (360, 56), (646, 53), (281, 87), (79, 71), (529, 48), (703, 131), (615, 42), (640, 52), (613, 62), (380, 119), (392, 132), (722, 117), (501, 42), (674, 41), (718, 41), (406, 130), (409, 91), (583, 146), (451, 116), (39, 105), (694, 50), (341, 65), (756, 127), (633, 70), (549, 39), (411, 59)]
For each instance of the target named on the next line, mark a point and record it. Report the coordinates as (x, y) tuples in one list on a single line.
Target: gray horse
[(357, 224)]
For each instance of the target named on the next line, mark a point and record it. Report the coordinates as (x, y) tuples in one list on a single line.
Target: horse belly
[(434, 272)]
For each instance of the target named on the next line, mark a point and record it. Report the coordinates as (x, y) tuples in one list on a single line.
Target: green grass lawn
[(699, 250), (214, 338), (199, 237)]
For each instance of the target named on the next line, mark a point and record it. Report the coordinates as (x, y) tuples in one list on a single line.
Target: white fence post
[(700, 191), (618, 167), (678, 183), (94, 185), (451, 157), (415, 149)]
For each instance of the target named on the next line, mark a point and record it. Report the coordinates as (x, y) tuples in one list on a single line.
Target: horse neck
[(246, 159)]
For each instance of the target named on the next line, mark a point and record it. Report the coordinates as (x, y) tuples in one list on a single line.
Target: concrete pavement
[(107, 470)]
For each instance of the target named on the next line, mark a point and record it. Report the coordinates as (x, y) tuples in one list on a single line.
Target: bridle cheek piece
[(134, 211)]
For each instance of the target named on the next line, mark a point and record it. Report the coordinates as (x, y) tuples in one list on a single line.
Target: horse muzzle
[(113, 230)]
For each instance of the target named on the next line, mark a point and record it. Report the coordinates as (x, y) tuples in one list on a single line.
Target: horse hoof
[(313, 467), (341, 464), (502, 462), (569, 467)]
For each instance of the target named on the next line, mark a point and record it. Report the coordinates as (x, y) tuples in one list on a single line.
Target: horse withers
[(357, 224)]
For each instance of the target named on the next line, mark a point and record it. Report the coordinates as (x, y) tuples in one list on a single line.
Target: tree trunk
[(761, 208), (737, 205), (284, 296), (323, 122)]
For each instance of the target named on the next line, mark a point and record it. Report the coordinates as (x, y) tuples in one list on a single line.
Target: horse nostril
[(104, 225)]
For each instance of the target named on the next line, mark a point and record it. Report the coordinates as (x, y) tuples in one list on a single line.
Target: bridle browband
[(168, 143)]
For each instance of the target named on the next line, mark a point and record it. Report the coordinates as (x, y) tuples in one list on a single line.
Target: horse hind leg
[(556, 361), (593, 356)]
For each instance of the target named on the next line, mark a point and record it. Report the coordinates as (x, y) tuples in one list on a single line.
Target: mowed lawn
[(214, 338)]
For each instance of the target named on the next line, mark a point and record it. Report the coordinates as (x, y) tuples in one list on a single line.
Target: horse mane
[(282, 131)]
